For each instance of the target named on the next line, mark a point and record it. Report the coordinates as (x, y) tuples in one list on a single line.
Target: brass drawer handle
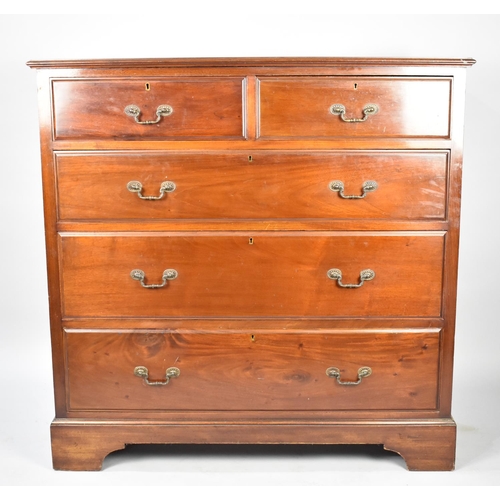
[(161, 110), (142, 371), (368, 187), (140, 275), (363, 372), (365, 275), (339, 109), (165, 187)]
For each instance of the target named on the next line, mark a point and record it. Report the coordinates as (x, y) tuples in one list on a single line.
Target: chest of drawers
[(252, 251)]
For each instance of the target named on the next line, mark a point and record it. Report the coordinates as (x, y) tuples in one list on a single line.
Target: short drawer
[(252, 371), (310, 107), (177, 108), (404, 185), (262, 274)]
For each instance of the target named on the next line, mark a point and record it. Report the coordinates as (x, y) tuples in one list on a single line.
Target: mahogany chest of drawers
[(252, 251)]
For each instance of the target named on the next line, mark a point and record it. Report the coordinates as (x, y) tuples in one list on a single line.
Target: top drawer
[(193, 108), (310, 107)]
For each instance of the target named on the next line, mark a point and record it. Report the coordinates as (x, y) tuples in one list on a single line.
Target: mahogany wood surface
[(291, 64), (252, 229), (300, 107), (275, 185), (276, 274), (207, 108), (247, 371), (427, 445)]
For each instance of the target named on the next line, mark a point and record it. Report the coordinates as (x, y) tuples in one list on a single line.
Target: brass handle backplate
[(365, 275), (142, 371), (136, 187), (339, 110), (368, 187), (140, 275), (363, 372), (161, 110)]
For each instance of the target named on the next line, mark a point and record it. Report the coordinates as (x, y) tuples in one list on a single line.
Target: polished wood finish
[(291, 64), (300, 107), (252, 371), (428, 445), (252, 227), (207, 108), (271, 185), (256, 274)]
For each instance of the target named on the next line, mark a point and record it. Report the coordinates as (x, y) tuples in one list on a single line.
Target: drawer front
[(245, 371), (274, 185), (252, 275), (406, 107), (198, 108)]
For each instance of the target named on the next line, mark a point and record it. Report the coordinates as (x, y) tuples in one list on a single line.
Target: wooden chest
[(252, 251)]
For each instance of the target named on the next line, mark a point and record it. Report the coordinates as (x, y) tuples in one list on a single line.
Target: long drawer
[(182, 108), (354, 107), (281, 274), (405, 185), (245, 371)]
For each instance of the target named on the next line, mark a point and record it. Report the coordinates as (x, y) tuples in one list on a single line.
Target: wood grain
[(252, 275), (246, 371), (260, 185), (276, 111), (425, 446), (300, 107), (207, 108)]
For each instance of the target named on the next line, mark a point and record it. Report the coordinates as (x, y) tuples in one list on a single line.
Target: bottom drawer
[(259, 371)]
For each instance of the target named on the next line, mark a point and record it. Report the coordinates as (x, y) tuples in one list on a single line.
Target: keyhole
[(252, 338), (148, 86), (250, 159), (250, 241), (355, 86)]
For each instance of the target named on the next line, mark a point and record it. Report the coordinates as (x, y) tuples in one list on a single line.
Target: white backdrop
[(214, 29)]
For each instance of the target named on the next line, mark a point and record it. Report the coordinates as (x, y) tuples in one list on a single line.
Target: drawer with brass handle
[(246, 371), (148, 108), (281, 274), (397, 185), (354, 107)]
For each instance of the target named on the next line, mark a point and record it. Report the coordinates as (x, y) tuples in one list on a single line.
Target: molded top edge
[(248, 62)]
